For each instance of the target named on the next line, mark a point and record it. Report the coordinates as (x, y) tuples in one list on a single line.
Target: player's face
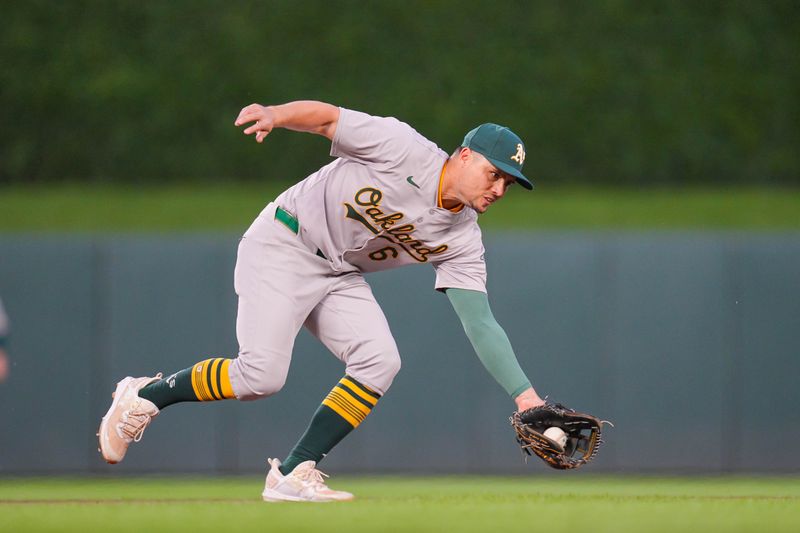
[(482, 183)]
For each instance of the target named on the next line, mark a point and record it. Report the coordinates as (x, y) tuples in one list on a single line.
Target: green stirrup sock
[(206, 381), (345, 407)]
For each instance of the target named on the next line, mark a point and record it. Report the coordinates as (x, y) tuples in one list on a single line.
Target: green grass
[(231, 207), (550, 504)]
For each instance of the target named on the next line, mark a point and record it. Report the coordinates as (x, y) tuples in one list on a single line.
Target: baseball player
[(390, 198)]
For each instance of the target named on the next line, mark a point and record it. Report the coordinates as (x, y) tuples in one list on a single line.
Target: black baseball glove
[(582, 433)]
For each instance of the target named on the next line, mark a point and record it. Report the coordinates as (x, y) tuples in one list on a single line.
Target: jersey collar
[(456, 209)]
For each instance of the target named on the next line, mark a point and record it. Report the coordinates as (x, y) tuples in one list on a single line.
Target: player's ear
[(465, 155)]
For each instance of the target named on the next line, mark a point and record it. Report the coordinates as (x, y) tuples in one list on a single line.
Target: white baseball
[(556, 434)]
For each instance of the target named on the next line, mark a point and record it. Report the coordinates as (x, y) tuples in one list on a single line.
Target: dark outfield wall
[(688, 342), (634, 92)]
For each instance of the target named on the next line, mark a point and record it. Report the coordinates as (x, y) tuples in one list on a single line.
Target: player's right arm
[(303, 115)]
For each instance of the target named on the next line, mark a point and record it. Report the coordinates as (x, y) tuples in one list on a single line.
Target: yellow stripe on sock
[(359, 390), (213, 385), (203, 382), (196, 373), (341, 412), (341, 393), (346, 400), (208, 388), (205, 386), (344, 404), (358, 416), (225, 380)]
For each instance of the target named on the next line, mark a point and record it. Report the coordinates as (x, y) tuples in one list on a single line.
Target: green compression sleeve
[(488, 339)]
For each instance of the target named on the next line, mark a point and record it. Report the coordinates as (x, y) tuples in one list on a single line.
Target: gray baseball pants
[(282, 285)]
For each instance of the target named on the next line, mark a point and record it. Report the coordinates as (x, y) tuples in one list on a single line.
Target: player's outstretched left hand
[(264, 119)]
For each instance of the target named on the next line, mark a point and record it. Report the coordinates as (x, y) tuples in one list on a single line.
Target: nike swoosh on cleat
[(410, 179)]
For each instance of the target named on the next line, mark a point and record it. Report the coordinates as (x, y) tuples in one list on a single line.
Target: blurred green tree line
[(618, 92)]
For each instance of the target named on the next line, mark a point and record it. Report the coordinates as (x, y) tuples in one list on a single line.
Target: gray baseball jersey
[(375, 207)]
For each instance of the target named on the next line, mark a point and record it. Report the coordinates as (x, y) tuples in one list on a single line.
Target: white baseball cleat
[(303, 484), (126, 419)]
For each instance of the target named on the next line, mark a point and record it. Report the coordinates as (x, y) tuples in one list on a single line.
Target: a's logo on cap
[(519, 157)]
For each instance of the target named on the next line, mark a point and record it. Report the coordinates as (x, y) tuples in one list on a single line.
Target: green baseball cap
[(502, 147)]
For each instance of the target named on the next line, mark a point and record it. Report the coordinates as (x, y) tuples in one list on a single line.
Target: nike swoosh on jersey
[(410, 179)]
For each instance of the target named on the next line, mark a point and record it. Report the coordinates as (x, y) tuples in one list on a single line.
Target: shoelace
[(134, 424), (313, 476)]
